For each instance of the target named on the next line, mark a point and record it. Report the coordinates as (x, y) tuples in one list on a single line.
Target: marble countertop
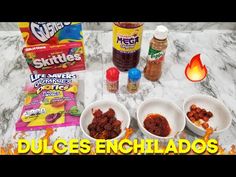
[(218, 53)]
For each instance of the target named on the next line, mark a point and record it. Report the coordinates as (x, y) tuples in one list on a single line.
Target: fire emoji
[(195, 71)]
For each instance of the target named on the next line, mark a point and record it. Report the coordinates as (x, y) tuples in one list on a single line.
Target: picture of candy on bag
[(50, 104), (52, 33)]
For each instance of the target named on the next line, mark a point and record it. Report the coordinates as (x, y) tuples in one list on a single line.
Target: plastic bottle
[(127, 38), (112, 79), (156, 53), (134, 76)]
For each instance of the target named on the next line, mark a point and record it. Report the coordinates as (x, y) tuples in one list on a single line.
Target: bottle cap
[(161, 32), (112, 74), (134, 74)]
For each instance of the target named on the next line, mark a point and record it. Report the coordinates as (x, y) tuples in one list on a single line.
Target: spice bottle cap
[(161, 32), (134, 74), (112, 74)]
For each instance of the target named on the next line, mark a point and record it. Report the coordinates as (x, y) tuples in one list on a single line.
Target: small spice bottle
[(112, 79), (134, 76), (156, 54)]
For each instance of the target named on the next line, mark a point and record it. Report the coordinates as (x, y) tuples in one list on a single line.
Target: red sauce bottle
[(156, 54), (127, 38)]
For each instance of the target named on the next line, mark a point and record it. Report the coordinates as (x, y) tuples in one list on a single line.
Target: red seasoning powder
[(156, 54), (112, 79)]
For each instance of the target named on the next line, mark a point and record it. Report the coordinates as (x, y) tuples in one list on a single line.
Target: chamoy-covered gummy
[(104, 125)]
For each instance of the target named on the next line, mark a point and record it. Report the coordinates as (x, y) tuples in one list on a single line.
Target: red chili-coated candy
[(193, 107), (157, 124), (104, 125), (205, 118), (205, 125)]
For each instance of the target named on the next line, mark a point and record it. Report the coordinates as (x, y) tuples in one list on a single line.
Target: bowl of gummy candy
[(104, 119), (204, 112)]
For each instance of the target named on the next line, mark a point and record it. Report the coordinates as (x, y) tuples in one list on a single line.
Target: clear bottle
[(134, 76), (156, 54), (112, 79), (127, 38)]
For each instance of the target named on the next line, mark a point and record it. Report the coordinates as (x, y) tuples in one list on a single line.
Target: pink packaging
[(50, 102)]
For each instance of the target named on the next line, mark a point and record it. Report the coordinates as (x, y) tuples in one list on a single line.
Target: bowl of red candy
[(160, 119), (104, 119), (203, 112)]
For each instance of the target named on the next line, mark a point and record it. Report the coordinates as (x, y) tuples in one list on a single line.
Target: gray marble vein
[(218, 53)]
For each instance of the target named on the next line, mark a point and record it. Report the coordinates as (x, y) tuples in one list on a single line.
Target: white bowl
[(121, 113), (221, 119), (169, 110)]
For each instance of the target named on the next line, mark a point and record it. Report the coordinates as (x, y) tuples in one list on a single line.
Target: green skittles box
[(53, 47)]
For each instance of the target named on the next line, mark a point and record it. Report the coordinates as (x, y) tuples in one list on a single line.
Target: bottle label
[(112, 86), (127, 40), (132, 86), (156, 55)]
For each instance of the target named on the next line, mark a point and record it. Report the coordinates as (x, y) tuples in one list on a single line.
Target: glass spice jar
[(112, 79), (134, 76)]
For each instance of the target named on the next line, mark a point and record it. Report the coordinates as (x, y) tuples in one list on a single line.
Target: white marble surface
[(218, 53)]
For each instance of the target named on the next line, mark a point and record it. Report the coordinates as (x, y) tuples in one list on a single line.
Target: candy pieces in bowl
[(203, 111), (160, 119)]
